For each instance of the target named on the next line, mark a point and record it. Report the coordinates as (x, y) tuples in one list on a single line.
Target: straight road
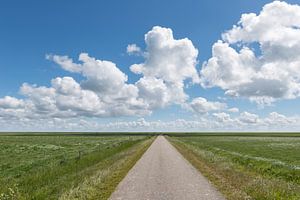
[(163, 174)]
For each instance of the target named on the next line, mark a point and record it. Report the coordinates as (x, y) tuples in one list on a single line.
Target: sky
[(149, 65)]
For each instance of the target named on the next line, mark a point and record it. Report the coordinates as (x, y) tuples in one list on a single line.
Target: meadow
[(90, 165), (66, 166), (246, 166)]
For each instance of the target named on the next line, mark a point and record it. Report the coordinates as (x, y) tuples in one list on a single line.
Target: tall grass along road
[(162, 173)]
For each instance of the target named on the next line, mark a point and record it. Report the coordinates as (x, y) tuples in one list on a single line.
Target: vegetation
[(66, 166), (90, 165), (258, 166)]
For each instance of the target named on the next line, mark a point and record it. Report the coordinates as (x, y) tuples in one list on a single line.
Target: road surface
[(163, 174)]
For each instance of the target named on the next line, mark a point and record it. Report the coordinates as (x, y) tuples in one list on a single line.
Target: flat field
[(246, 166), (62, 166)]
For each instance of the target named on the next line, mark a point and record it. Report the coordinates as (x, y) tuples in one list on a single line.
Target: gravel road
[(163, 174)]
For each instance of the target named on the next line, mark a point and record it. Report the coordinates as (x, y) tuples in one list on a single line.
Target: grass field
[(65, 166), (246, 166), (89, 166)]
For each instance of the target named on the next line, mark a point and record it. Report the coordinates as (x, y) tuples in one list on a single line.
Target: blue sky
[(30, 30)]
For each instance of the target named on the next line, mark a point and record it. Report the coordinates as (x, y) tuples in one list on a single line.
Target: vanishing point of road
[(163, 174)]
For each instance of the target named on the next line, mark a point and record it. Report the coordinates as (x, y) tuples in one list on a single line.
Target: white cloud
[(66, 86), (70, 96), (167, 58), (154, 92), (276, 119), (278, 15), (67, 99), (41, 99), (133, 49), (11, 102), (233, 110), (101, 76), (250, 121), (217, 121), (104, 90), (168, 63), (223, 117), (265, 76), (202, 106), (65, 62), (104, 84), (249, 118)]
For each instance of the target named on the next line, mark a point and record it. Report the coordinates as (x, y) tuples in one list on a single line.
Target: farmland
[(246, 166), (90, 165), (59, 166)]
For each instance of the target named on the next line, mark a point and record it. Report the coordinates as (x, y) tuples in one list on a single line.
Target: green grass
[(258, 166), (53, 167)]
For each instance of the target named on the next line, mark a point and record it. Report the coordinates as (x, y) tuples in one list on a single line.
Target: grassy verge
[(246, 167), (48, 167), (103, 182)]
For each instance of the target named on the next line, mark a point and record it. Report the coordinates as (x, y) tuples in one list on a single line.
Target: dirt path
[(163, 174)]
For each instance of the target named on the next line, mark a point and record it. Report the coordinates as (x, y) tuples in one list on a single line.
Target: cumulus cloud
[(103, 89), (133, 49), (276, 119), (11, 102), (154, 92), (64, 99), (250, 121), (106, 85), (217, 121), (202, 106), (259, 57), (167, 58), (65, 62), (223, 117), (249, 118), (169, 61), (233, 110), (101, 76), (70, 96)]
